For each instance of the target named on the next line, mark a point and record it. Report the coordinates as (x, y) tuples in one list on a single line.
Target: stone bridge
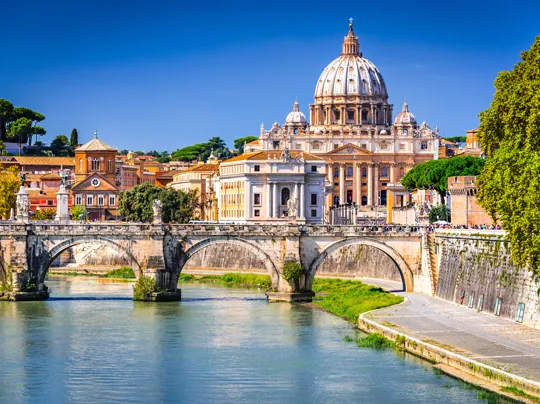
[(161, 251)]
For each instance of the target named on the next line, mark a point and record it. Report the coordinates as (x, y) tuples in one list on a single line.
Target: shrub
[(123, 272), (144, 286), (292, 272)]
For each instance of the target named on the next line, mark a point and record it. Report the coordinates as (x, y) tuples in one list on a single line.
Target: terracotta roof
[(37, 193), (95, 145), (45, 161), (168, 174), (50, 176), (271, 155), (33, 177), (254, 143), (203, 167)]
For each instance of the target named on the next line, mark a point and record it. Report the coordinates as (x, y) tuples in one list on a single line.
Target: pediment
[(104, 185), (350, 149)]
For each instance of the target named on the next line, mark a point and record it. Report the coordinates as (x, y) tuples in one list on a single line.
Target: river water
[(90, 343)]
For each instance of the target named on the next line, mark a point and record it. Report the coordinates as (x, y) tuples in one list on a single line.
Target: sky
[(161, 75)]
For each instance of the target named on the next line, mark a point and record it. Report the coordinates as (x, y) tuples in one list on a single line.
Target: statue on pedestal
[(156, 206), (291, 207)]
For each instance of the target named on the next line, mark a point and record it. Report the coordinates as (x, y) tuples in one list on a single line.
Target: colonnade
[(273, 192), (368, 173)]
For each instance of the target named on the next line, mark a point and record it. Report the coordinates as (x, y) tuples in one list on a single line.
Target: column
[(247, 200), (269, 187), (302, 201), (275, 201), (358, 181), (370, 184), (341, 183), (295, 190), (376, 188), (392, 177)]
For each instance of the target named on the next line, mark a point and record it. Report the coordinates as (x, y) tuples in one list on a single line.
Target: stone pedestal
[(23, 205), (62, 210)]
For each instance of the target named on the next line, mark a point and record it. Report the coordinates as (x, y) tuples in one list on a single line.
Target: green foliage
[(144, 286), (292, 271), (349, 299), (518, 392), (232, 279), (6, 111), (509, 133), (123, 272), (375, 341), (78, 212), (202, 151), (239, 143), (44, 214), (440, 212), (9, 185), (435, 173), (7, 285), (29, 286), (73, 141), (177, 206), (60, 146), (457, 139)]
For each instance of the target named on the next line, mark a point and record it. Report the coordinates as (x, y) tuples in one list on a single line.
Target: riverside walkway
[(486, 338)]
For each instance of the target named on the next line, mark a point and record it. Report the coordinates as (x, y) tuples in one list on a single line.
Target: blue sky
[(163, 74)]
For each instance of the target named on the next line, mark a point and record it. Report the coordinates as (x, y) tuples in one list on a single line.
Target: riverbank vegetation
[(231, 280), (119, 273), (144, 286), (375, 341)]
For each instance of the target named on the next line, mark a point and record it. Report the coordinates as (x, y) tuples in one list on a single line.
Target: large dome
[(351, 74)]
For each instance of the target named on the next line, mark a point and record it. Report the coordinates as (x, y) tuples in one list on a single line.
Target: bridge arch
[(71, 242), (250, 246), (404, 270)]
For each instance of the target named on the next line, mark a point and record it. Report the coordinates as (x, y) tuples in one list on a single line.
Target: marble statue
[(156, 206), (291, 207)]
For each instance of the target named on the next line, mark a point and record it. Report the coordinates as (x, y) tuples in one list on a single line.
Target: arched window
[(401, 172), (405, 132), (95, 164), (285, 195), (364, 201), (80, 164), (349, 171)]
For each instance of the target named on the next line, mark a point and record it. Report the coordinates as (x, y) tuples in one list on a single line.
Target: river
[(91, 343)]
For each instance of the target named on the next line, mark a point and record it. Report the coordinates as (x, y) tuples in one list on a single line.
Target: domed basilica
[(351, 128)]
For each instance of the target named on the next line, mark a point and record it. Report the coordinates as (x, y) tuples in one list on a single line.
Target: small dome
[(383, 132), (296, 117), (405, 117)]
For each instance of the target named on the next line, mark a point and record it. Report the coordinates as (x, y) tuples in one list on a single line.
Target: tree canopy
[(201, 151), (435, 173), (9, 185), (177, 206), (239, 143), (509, 134), (60, 146), (456, 139)]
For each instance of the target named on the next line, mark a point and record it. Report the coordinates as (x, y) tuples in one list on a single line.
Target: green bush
[(292, 271), (144, 286), (376, 341), (124, 273)]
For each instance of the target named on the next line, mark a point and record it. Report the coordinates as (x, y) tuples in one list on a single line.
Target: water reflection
[(218, 345)]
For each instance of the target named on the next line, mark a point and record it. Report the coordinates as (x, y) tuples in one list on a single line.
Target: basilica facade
[(352, 130)]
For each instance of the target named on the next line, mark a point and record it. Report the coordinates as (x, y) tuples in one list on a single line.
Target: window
[(313, 212), (100, 200), (257, 199), (364, 201), (275, 144), (313, 199), (384, 172), (364, 173), (285, 195), (350, 115), (349, 171), (337, 114), (336, 146), (298, 146), (50, 202), (257, 168), (89, 199), (257, 213), (470, 303), (363, 146), (95, 164), (112, 200), (498, 305), (364, 115), (349, 196), (336, 172), (384, 146), (401, 172), (110, 165), (80, 164), (313, 169), (520, 312), (316, 146), (402, 146), (405, 132), (480, 303), (78, 200), (423, 146)]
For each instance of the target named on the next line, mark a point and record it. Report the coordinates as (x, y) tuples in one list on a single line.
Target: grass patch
[(520, 393), (349, 299), (124, 273), (375, 341), (232, 280)]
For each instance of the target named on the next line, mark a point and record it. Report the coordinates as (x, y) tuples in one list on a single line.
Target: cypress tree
[(73, 140)]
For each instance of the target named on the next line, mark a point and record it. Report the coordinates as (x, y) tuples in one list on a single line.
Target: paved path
[(493, 340)]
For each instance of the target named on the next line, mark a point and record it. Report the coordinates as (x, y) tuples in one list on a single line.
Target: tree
[(9, 185), (20, 130), (239, 143), (177, 206), (73, 141), (44, 214), (440, 212), (6, 111), (78, 212), (509, 134), (434, 174), (34, 117), (60, 145), (456, 139)]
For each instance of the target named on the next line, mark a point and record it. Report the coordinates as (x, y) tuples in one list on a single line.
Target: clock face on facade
[(95, 182)]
